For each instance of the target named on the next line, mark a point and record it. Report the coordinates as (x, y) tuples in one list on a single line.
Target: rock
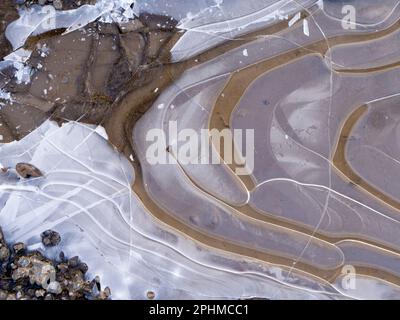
[(62, 256), (19, 248), (97, 282), (150, 295), (54, 287), (40, 293), (11, 296), (42, 273), (23, 262), (76, 284), (58, 5), (26, 171), (19, 295), (63, 267), (20, 273), (50, 238), (105, 294), (83, 267), (6, 284), (3, 295), (4, 253), (73, 262)]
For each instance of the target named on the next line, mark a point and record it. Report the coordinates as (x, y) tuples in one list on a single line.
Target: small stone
[(83, 267), (20, 273), (40, 293), (4, 253), (3, 295), (150, 295), (26, 171), (6, 284), (88, 288), (49, 297), (19, 295), (41, 273), (58, 5), (73, 262), (19, 248), (63, 267), (31, 292), (62, 256), (11, 296), (23, 262), (107, 292), (50, 238), (97, 282), (54, 287)]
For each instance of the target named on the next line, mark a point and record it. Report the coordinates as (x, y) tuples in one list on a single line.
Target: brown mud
[(8, 13)]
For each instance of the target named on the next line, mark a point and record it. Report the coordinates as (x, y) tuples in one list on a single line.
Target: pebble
[(50, 238), (26, 171), (19, 248), (73, 262)]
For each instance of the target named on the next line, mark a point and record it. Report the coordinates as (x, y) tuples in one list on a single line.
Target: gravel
[(29, 275)]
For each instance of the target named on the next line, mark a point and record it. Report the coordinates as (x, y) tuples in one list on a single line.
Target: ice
[(85, 195), (39, 19)]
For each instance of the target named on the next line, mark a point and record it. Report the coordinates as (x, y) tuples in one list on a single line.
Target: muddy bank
[(79, 75)]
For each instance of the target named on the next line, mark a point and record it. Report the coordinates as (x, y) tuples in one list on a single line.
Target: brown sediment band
[(370, 70), (341, 164)]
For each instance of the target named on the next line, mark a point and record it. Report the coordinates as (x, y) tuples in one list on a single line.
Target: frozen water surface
[(322, 100)]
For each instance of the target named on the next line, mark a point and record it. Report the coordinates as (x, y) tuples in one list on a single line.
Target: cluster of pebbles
[(29, 275)]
